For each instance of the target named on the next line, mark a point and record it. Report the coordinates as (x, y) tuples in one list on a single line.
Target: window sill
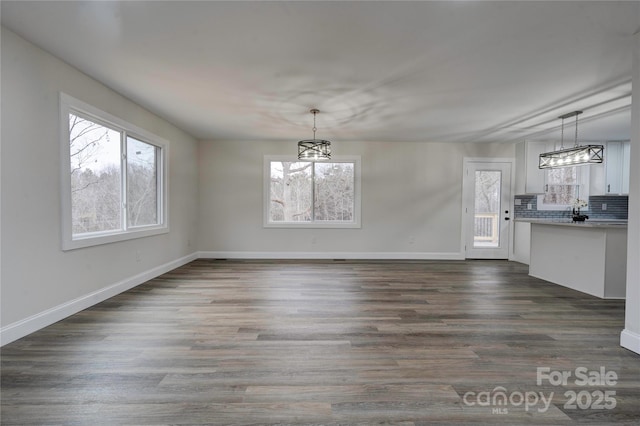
[(312, 225), (96, 240)]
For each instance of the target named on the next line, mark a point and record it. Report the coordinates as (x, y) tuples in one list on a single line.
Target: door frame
[(465, 183)]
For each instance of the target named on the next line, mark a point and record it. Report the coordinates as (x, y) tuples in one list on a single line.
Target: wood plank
[(299, 342)]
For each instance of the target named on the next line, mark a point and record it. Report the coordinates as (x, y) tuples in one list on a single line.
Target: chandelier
[(314, 149), (576, 156)]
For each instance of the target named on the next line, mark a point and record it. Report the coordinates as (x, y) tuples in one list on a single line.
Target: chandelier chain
[(314, 123)]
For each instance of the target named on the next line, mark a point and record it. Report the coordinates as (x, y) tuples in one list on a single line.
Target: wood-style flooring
[(328, 342)]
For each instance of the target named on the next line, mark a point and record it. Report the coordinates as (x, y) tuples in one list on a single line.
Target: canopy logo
[(499, 399)]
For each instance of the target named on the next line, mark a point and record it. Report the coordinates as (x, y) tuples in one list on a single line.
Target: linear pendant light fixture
[(314, 149), (576, 156)]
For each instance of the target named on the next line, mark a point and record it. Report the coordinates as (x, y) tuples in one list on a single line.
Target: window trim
[(69, 104), (356, 223)]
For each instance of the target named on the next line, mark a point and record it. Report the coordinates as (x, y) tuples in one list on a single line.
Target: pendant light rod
[(562, 134), (575, 143), (569, 115), (314, 111)]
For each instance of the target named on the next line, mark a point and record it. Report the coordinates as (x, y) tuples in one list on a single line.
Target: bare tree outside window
[(562, 186), (308, 192), (488, 191), (290, 191), (334, 194), (96, 179), (95, 176), (487, 208), (142, 183)]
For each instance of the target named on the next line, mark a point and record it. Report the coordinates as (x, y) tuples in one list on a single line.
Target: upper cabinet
[(609, 178), (617, 158), (529, 178)]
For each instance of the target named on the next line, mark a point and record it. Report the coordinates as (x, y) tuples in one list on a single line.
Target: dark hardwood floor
[(321, 342)]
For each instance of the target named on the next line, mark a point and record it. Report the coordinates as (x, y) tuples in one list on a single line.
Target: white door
[(486, 210)]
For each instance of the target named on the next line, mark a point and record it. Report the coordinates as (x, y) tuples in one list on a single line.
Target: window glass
[(291, 185), (562, 186), (334, 191), (95, 176), (319, 194), (486, 229), (142, 183)]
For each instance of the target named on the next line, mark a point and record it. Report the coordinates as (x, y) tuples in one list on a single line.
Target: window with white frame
[(563, 186), (312, 194), (113, 178)]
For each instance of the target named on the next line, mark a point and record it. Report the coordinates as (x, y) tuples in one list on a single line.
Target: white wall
[(41, 283), (408, 190), (630, 337)]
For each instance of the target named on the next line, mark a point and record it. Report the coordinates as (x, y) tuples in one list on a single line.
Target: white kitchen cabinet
[(529, 178), (521, 242), (617, 159)]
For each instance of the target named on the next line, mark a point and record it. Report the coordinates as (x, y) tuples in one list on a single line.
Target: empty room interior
[(345, 212)]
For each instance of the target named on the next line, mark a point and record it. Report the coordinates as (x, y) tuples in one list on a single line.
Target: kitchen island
[(590, 256)]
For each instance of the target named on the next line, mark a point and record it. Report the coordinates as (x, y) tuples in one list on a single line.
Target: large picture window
[(113, 178), (312, 194)]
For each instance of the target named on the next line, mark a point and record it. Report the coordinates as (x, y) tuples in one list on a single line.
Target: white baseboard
[(630, 340), (43, 319), (329, 255)]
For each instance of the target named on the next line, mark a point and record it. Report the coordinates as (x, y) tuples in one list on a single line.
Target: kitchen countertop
[(589, 223)]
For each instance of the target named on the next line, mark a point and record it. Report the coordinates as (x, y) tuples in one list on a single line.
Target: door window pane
[(95, 176), (142, 183), (486, 229)]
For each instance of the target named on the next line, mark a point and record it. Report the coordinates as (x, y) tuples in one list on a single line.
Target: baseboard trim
[(630, 340), (43, 319), (329, 255)]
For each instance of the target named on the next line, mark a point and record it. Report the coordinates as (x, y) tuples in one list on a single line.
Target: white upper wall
[(410, 192), (36, 274)]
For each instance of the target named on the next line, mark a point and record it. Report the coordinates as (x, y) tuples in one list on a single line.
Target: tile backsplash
[(617, 207)]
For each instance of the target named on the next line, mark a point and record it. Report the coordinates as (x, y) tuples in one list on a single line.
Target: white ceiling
[(462, 71)]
